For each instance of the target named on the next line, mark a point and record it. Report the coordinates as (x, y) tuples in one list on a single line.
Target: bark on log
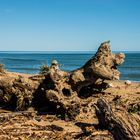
[(120, 129)]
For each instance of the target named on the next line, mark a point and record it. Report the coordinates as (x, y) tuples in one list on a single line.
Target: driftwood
[(121, 130), (101, 66), (58, 90)]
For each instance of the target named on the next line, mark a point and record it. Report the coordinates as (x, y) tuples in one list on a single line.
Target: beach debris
[(120, 128), (110, 85), (134, 107), (117, 97), (128, 82)]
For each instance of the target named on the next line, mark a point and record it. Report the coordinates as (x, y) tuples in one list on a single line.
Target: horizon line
[(73, 51)]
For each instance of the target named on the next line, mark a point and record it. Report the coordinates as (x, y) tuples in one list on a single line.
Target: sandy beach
[(31, 125)]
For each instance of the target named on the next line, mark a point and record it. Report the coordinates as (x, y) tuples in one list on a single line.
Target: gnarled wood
[(23, 92), (121, 129), (103, 65)]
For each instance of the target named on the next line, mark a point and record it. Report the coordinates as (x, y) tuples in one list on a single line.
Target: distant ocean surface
[(30, 62)]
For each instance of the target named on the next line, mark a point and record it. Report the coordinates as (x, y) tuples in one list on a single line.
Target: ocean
[(30, 62)]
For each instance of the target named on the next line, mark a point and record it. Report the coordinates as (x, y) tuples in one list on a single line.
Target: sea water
[(30, 62)]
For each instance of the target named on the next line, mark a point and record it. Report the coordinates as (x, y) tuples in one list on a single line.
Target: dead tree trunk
[(62, 85)]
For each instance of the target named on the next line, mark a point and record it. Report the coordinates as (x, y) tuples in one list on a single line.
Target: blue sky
[(69, 25)]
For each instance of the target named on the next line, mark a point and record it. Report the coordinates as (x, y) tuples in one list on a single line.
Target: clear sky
[(69, 25)]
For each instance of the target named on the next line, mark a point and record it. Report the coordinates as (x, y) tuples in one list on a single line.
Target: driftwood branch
[(120, 129)]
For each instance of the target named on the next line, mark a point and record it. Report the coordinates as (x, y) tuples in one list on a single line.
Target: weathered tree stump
[(101, 66)]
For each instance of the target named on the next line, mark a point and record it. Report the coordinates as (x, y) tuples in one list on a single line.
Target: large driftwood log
[(121, 129), (101, 66), (57, 89)]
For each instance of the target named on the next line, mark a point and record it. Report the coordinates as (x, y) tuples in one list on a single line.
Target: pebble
[(37, 118), (128, 82), (110, 85)]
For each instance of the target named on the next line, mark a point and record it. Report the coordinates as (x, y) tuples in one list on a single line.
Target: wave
[(31, 69), (19, 59), (132, 67), (132, 75)]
